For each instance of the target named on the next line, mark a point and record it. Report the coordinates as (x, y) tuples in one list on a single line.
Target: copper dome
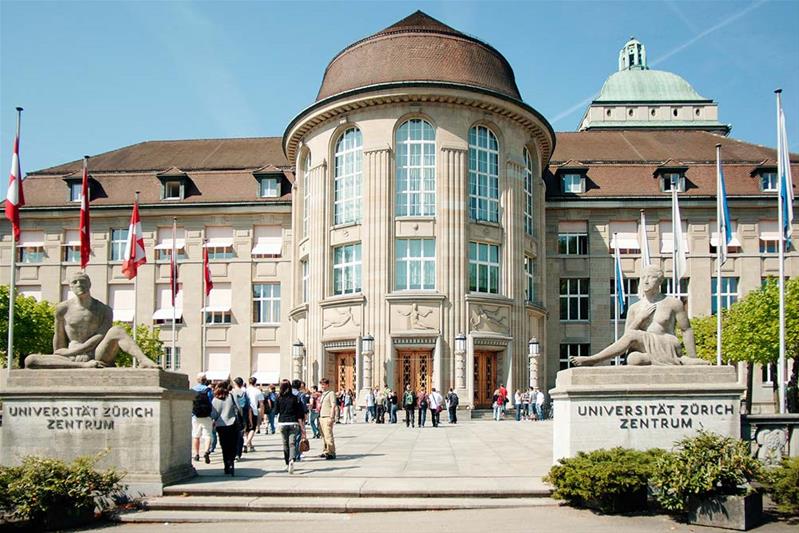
[(418, 48)]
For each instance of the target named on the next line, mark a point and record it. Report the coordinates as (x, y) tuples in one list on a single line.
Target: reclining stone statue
[(649, 332), (85, 336)]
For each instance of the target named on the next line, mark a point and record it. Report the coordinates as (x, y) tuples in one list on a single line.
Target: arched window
[(347, 177), (416, 169), (306, 194), (528, 192), (483, 174)]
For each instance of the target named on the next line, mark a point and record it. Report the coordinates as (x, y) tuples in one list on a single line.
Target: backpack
[(407, 398), (453, 400), (201, 406)]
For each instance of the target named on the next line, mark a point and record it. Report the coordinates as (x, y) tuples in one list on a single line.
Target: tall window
[(483, 267), (219, 242), (729, 293), (574, 299), (529, 273), (119, 238), (630, 296), (768, 181), (416, 264), (31, 246), (169, 361), (667, 288), (163, 249), (75, 191), (347, 177), (270, 187), (304, 266), (347, 269), (266, 303), (573, 237), (572, 350), (483, 175), (71, 246), (528, 192), (306, 194), (416, 169)]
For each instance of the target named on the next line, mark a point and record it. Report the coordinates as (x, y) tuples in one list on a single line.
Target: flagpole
[(11, 286), (202, 312), (719, 254), (645, 258), (675, 277), (615, 290), (173, 282), (135, 279), (781, 260)]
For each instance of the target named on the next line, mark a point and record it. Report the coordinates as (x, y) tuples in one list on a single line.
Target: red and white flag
[(134, 247), (85, 225), (15, 199), (209, 284), (173, 268)]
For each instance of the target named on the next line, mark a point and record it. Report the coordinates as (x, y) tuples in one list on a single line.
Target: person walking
[(299, 390), (316, 396), (409, 404), (423, 404), (496, 403), (526, 404), (270, 401), (256, 410), (328, 414), (227, 424), (517, 405), (291, 422), (240, 397), (436, 402), (452, 405), (370, 406), (380, 405), (393, 405), (349, 409), (539, 404), (202, 415)]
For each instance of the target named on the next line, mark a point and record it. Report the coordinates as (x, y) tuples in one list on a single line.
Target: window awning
[(268, 246), (219, 242), (72, 237), (267, 378), (714, 240), (31, 244), (769, 230), (218, 366), (217, 375), (625, 241), (166, 244), (166, 314), (572, 226), (216, 309), (126, 315), (31, 239)]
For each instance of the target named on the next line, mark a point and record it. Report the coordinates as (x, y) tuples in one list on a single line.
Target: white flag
[(645, 259), (678, 244)]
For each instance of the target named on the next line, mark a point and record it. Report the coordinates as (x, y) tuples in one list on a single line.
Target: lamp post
[(460, 362), (533, 351), (367, 349), (298, 358)]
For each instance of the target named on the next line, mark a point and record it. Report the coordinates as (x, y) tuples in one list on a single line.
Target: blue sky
[(95, 76)]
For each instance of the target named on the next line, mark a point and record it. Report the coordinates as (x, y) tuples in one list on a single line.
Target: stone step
[(211, 508)]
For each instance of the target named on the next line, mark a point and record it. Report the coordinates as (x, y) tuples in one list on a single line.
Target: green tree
[(33, 326), (705, 337), (148, 340)]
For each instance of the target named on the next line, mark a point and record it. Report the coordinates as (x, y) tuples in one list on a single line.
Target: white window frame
[(416, 169), (218, 317), (529, 190), (424, 263), (529, 273), (166, 358), (728, 296), (630, 296), (169, 190), (116, 246), (665, 181), (75, 191), (768, 181), (269, 192), (481, 262), (266, 303), (306, 195), (483, 175), (164, 235), (574, 297), (347, 274), (572, 183), (572, 349), (348, 177), (30, 247)]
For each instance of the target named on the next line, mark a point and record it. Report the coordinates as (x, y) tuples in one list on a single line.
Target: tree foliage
[(148, 340), (33, 326)]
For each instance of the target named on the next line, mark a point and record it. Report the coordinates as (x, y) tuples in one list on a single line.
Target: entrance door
[(485, 378), (345, 371), (414, 368)]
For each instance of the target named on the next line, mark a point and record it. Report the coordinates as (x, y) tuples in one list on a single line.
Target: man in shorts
[(256, 398), (201, 423)]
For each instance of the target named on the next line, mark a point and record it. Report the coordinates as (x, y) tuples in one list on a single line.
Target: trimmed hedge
[(782, 484)]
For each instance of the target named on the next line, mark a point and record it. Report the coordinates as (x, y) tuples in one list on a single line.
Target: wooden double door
[(485, 378), (345, 371), (414, 368)]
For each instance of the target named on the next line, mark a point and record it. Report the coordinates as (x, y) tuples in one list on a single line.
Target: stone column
[(296, 366), (533, 362), (318, 259), (460, 371)]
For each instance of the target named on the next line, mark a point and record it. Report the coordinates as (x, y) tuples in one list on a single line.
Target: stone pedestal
[(642, 407), (140, 417)]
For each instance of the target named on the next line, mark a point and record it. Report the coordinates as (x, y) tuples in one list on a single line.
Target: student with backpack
[(409, 404), (242, 401), (452, 405), (202, 415)]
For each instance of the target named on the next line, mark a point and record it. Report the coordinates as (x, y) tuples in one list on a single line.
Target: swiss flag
[(14, 198), (209, 284), (85, 225), (134, 247)]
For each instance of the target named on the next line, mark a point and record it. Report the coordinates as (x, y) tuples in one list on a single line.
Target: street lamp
[(533, 348), (367, 344), (297, 349), (460, 343)]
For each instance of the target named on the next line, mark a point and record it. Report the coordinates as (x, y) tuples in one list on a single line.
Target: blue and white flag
[(678, 240), (619, 280), (724, 226), (784, 177), (646, 260)]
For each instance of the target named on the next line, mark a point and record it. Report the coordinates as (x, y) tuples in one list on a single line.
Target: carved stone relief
[(412, 317), (489, 319), (340, 320)]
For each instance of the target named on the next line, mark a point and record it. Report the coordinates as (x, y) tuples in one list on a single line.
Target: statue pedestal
[(141, 418), (642, 407)]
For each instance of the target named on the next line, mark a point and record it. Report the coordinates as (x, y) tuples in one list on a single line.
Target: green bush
[(49, 492), (703, 465), (612, 480), (782, 484)]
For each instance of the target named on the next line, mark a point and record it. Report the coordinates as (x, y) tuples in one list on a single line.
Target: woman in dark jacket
[(291, 421), (227, 423)]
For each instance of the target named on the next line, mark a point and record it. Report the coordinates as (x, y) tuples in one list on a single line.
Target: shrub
[(782, 484), (612, 480), (46, 492), (703, 465)]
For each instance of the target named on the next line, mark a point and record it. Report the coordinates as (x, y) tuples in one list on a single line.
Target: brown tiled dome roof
[(418, 48)]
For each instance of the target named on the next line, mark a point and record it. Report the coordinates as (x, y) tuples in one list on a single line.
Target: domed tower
[(637, 97), (418, 216)]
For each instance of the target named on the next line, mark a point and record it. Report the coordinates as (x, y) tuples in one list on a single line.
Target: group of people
[(230, 413), (528, 405)]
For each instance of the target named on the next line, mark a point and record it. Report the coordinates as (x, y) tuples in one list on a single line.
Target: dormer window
[(572, 183), (75, 190), (269, 187), (172, 190), (173, 184), (670, 180), (768, 181)]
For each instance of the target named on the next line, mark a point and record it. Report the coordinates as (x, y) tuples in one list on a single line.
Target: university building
[(419, 223)]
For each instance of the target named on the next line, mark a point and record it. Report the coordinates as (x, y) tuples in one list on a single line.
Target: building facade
[(418, 224)]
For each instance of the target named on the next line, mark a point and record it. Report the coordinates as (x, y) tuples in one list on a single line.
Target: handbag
[(305, 446)]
